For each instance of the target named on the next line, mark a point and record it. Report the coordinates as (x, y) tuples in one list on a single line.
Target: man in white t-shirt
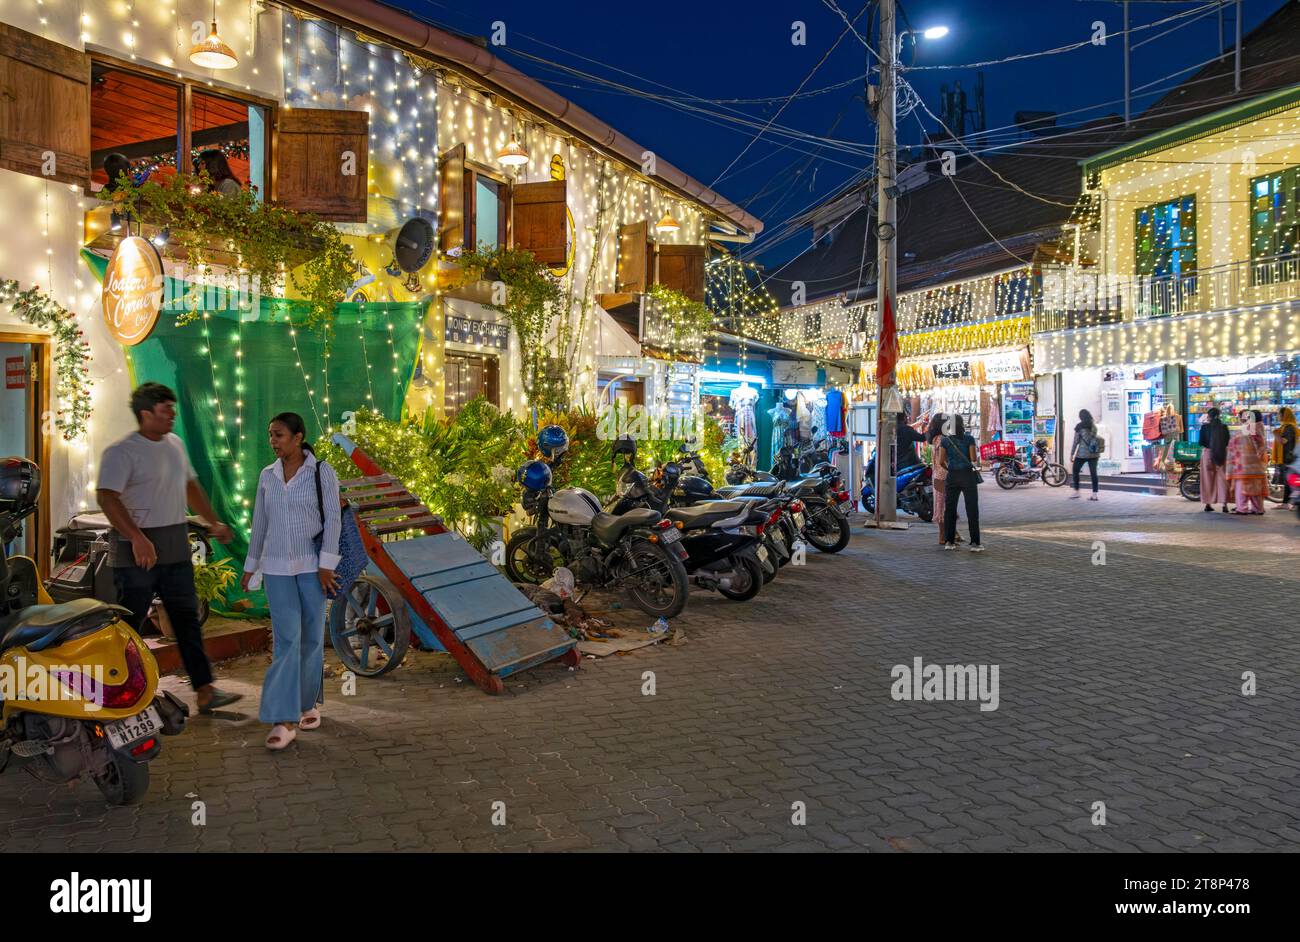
[(145, 485)]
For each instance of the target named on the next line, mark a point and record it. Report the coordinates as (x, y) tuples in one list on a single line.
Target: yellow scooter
[(78, 688)]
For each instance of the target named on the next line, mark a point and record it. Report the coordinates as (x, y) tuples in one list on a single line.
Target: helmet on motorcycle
[(535, 475), (20, 484), (552, 441), (625, 445)]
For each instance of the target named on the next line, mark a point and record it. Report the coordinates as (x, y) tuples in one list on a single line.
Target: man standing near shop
[(145, 485)]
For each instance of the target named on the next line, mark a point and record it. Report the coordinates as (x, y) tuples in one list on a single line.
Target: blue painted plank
[(516, 647), (489, 625), (470, 603), (431, 553), (439, 580)]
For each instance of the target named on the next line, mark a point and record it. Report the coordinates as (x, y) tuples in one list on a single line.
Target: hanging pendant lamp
[(213, 53), (667, 225), (513, 154)]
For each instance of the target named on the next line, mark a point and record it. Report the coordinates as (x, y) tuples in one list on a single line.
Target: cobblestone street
[(1119, 683)]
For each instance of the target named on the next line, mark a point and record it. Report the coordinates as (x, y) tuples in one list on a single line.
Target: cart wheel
[(370, 628)]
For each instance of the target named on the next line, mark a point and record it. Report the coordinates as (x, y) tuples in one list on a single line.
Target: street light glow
[(935, 32)]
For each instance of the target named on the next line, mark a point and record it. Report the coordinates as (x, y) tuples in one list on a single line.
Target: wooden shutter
[(44, 107), (538, 220), (681, 267), (310, 159), (456, 202), (633, 259)]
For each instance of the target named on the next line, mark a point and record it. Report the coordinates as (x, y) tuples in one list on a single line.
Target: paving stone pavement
[(1118, 683)]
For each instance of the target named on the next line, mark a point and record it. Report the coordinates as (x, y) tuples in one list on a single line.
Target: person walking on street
[(1085, 450), (934, 437), (294, 548), (1247, 468), (1213, 439), (145, 485), (959, 459), (1284, 442)]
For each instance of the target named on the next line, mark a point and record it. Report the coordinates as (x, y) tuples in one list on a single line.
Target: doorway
[(467, 377), (24, 399)]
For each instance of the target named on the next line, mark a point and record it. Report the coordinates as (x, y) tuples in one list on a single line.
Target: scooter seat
[(609, 528), (702, 516), (39, 626)]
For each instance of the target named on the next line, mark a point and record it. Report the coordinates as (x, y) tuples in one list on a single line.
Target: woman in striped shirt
[(294, 547)]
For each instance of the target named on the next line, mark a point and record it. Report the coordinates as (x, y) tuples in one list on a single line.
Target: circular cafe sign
[(133, 291)]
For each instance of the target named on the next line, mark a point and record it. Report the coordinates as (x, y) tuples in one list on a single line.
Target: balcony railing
[(1073, 298)]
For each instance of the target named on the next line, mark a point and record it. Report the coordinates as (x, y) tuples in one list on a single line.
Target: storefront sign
[(952, 369), (1003, 368), (15, 372), (133, 291), (469, 330)]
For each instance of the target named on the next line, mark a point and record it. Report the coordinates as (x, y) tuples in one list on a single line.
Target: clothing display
[(836, 413), (742, 401), (781, 419)]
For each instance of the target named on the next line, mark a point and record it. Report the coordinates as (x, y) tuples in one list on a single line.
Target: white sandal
[(310, 719), (281, 739)]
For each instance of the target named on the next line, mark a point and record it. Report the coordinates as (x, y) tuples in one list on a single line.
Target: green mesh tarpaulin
[(367, 363)]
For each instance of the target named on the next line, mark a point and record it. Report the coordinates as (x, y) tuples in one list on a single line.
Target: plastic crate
[(998, 449)]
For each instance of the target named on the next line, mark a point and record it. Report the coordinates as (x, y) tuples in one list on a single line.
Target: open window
[(44, 108), (474, 205), (151, 127)]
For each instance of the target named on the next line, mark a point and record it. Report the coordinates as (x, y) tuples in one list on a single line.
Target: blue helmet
[(535, 476), (552, 441)]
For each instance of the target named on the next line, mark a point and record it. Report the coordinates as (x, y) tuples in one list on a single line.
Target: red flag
[(887, 354)]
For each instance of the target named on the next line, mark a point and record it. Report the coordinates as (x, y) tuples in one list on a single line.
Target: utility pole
[(1127, 82), (886, 259), (1236, 59)]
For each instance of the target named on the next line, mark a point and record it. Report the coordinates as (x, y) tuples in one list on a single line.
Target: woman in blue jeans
[(294, 549)]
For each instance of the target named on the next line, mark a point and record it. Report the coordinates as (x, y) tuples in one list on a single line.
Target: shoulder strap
[(320, 499)]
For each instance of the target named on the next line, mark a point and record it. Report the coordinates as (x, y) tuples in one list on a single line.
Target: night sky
[(735, 50)]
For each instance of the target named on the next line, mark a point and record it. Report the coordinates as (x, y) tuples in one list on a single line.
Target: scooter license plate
[(762, 553), (124, 732), (670, 536), (798, 520)]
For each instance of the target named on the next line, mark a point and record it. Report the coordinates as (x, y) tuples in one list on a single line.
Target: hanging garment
[(742, 402), (780, 416), (835, 413)]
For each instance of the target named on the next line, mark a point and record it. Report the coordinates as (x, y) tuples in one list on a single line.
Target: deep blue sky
[(726, 50)]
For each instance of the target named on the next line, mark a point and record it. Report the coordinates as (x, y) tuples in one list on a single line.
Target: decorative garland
[(684, 327), (71, 356)]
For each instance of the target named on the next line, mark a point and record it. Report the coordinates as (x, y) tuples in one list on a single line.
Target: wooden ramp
[(473, 610)]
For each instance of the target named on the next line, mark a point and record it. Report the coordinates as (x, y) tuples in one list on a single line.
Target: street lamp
[(935, 32), (930, 32)]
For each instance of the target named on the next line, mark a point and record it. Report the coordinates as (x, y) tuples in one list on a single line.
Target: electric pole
[(887, 404)]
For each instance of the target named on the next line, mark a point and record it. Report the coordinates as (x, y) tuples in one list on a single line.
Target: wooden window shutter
[(44, 107), (633, 258), (538, 220), (311, 148), (455, 199), (681, 267)]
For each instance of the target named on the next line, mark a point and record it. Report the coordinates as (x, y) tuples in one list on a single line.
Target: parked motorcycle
[(89, 703), (778, 540), (639, 552), (915, 490), (723, 539), (1012, 472)]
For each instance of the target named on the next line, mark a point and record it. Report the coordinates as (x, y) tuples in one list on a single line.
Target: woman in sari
[(1247, 464)]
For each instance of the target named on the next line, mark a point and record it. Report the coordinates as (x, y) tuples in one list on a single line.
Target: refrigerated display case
[(1126, 403)]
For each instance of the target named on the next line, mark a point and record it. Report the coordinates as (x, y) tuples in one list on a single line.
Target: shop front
[(1230, 384), (993, 392)]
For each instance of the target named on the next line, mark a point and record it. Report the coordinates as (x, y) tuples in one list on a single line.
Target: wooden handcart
[(435, 585)]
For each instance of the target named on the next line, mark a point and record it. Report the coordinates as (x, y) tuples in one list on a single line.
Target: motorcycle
[(825, 523), (1012, 471), (723, 539), (638, 551), (915, 490), (89, 703)]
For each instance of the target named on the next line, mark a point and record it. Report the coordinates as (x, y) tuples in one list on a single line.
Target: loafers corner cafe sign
[(132, 291)]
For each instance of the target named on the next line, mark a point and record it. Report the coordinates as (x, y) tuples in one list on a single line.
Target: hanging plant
[(71, 354), (207, 228), (535, 301), (685, 324)]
